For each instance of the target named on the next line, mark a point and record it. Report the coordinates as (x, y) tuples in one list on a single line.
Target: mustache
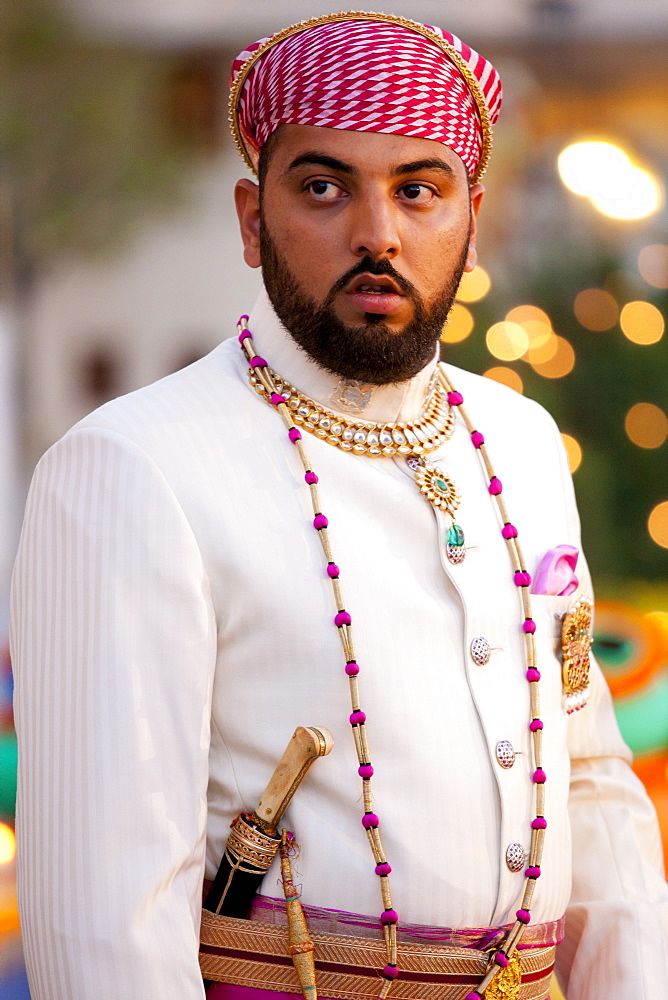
[(370, 266)]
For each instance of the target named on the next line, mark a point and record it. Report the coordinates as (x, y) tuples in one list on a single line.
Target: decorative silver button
[(515, 857), (480, 651), (505, 753), (456, 553)]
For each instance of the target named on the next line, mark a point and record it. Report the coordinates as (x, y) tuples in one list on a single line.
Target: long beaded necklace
[(504, 958)]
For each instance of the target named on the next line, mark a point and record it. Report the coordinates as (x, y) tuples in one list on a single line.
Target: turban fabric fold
[(366, 73)]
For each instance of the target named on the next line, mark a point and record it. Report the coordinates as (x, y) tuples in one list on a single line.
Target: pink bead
[(332, 571), (477, 439), (535, 725), (390, 971), (294, 434), (370, 820), (529, 625), (352, 669), (473, 996), (501, 959), (523, 916), (244, 335), (495, 486), (509, 531), (243, 319), (539, 823), (258, 362), (533, 674), (539, 776), (533, 872), (343, 618), (383, 868), (357, 718), (311, 478), (389, 917), (365, 771), (276, 398), (522, 579), (455, 398), (320, 522)]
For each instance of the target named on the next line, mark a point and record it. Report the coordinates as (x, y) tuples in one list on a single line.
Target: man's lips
[(374, 293)]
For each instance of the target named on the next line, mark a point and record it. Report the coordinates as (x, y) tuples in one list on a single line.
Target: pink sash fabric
[(269, 910)]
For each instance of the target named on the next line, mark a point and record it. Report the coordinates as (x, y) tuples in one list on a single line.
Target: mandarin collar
[(388, 403)]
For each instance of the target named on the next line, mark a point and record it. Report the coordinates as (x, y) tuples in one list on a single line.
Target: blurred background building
[(121, 262)]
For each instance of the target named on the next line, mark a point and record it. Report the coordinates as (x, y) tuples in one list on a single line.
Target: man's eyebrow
[(415, 166), (321, 160)]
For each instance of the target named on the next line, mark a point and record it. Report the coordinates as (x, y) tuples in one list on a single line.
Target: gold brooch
[(576, 642)]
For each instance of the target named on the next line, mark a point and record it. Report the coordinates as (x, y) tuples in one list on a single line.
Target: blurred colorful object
[(632, 649)]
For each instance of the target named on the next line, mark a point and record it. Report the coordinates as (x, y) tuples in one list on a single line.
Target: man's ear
[(247, 201), (476, 194)]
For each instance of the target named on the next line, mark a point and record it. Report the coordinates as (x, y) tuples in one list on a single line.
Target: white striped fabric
[(172, 624)]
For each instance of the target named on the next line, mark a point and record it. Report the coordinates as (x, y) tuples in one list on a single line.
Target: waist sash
[(254, 953)]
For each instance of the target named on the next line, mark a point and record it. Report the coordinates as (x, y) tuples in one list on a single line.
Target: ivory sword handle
[(307, 744)]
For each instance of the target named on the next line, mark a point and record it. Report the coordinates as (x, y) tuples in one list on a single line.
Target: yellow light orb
[(562, 363), (506, 376), (527, 313), (596, 309), (583, 165), (653, 264), (657, 524), (7, 844), (605, 174), (474, 285), (573, 450), (459, 325), (507, 341), (544, 351), (646, 425), (642, 322), (539, 333)]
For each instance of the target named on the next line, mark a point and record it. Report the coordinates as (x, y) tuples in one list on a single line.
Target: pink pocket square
[(556, 572)]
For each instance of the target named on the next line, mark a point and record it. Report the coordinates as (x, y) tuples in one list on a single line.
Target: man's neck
[(386, 403)]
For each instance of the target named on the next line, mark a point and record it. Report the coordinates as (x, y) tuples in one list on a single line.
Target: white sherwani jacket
[(173, 624)]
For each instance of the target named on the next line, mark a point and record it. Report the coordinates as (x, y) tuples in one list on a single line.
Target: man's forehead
[(295, 146)]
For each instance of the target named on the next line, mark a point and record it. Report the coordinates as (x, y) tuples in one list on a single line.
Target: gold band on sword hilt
[(247, 845), (360, 15)]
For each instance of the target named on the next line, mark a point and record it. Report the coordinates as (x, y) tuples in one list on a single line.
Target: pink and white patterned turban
[(367, 73)]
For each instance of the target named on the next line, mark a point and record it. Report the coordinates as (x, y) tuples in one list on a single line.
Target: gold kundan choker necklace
[(413, 437)]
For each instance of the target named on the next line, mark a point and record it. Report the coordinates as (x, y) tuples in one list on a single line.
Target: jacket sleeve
[(113, 647), (616, 943)]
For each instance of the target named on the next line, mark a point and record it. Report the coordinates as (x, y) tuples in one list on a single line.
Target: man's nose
[(374, 228)]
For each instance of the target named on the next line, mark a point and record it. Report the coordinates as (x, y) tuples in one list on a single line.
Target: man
[(174, 606)]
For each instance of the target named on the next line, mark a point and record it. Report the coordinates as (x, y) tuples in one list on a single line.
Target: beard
[(371, 353)]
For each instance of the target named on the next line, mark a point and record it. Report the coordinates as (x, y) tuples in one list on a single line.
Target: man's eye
[(417, 192), (324, 190)]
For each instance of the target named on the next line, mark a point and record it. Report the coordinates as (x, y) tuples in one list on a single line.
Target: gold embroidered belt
[(253, 953)]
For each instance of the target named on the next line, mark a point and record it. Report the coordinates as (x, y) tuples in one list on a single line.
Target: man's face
[(362, 238)]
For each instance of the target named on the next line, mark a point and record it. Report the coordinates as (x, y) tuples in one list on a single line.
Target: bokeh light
[(506, 376), (596, 309), (573, 450), (507, 341), (646, 425), (459, 325), (7, 844), (657, 524), (528, 313), (605, 174), (560, 364), (653, 264), (642, 322), (474, 285)]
